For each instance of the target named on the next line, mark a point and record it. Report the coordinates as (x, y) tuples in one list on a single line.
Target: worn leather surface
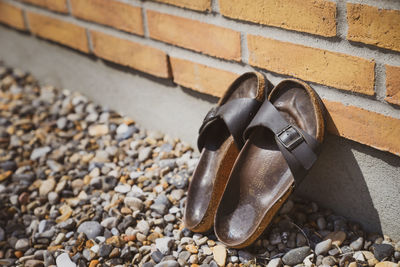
[(261, 175), (215, 148)]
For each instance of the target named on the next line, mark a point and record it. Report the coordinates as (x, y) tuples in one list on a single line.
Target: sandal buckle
[(290, 137)]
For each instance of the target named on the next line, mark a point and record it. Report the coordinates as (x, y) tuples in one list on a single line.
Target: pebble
[(46, 187), (40, 152), (277, 262), (164, 244), (219, 253), (296, 256), (336, 237), (323, 247), (144, 227), (63, 260), (357, 244), (91, 229), (98, 130), (133, 203), (386, 264), (123, 188), (144, 154), (168, 263), (22, 244), (382, 251)]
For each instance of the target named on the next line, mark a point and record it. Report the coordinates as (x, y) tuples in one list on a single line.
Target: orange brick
[(374, 26), (137, 56), (311, 16), (115, 14), (312, 64), (11, 16), (201, 37), (363, 126), (201, 78), (199, 5), (54, 5), (393, 84), (59, 31)]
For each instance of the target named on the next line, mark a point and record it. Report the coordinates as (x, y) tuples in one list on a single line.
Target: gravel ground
[(82, 185)]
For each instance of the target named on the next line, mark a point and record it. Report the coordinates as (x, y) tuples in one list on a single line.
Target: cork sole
[(216, 161), (261, 180)]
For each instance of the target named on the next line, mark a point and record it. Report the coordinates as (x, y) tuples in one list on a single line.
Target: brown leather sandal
[(282, 145), (220, 139)]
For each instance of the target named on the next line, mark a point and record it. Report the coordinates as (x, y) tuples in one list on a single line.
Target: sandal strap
[(299, 148), (235, 114)]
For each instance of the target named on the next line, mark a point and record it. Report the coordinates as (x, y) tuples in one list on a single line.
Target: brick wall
[(349, 52)]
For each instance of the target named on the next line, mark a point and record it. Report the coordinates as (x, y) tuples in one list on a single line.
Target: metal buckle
[(290, 137)]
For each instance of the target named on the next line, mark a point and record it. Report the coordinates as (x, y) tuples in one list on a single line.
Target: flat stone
[(323, 247), (91, 229), (63, 260), (122, 188), (40, 152), (296, 256), (219, 253)]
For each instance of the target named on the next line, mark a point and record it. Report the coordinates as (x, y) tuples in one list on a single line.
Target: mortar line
[(341, 12), (145, 24), (215, 6), (69, 7), (244, 48), (380, 81)]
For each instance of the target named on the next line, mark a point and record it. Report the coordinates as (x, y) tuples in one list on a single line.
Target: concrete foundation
[(354, 180)]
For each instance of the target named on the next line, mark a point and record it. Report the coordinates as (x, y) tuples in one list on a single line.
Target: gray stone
[(22, 244), (144, 154), (323, 247), (134, 203), (91, 229), (105, 250), (296, 256), (143, 226), (109, 222), (382, 251), (277, 262), (164, 244), (40, 152), (122, 188), (168, 263)]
